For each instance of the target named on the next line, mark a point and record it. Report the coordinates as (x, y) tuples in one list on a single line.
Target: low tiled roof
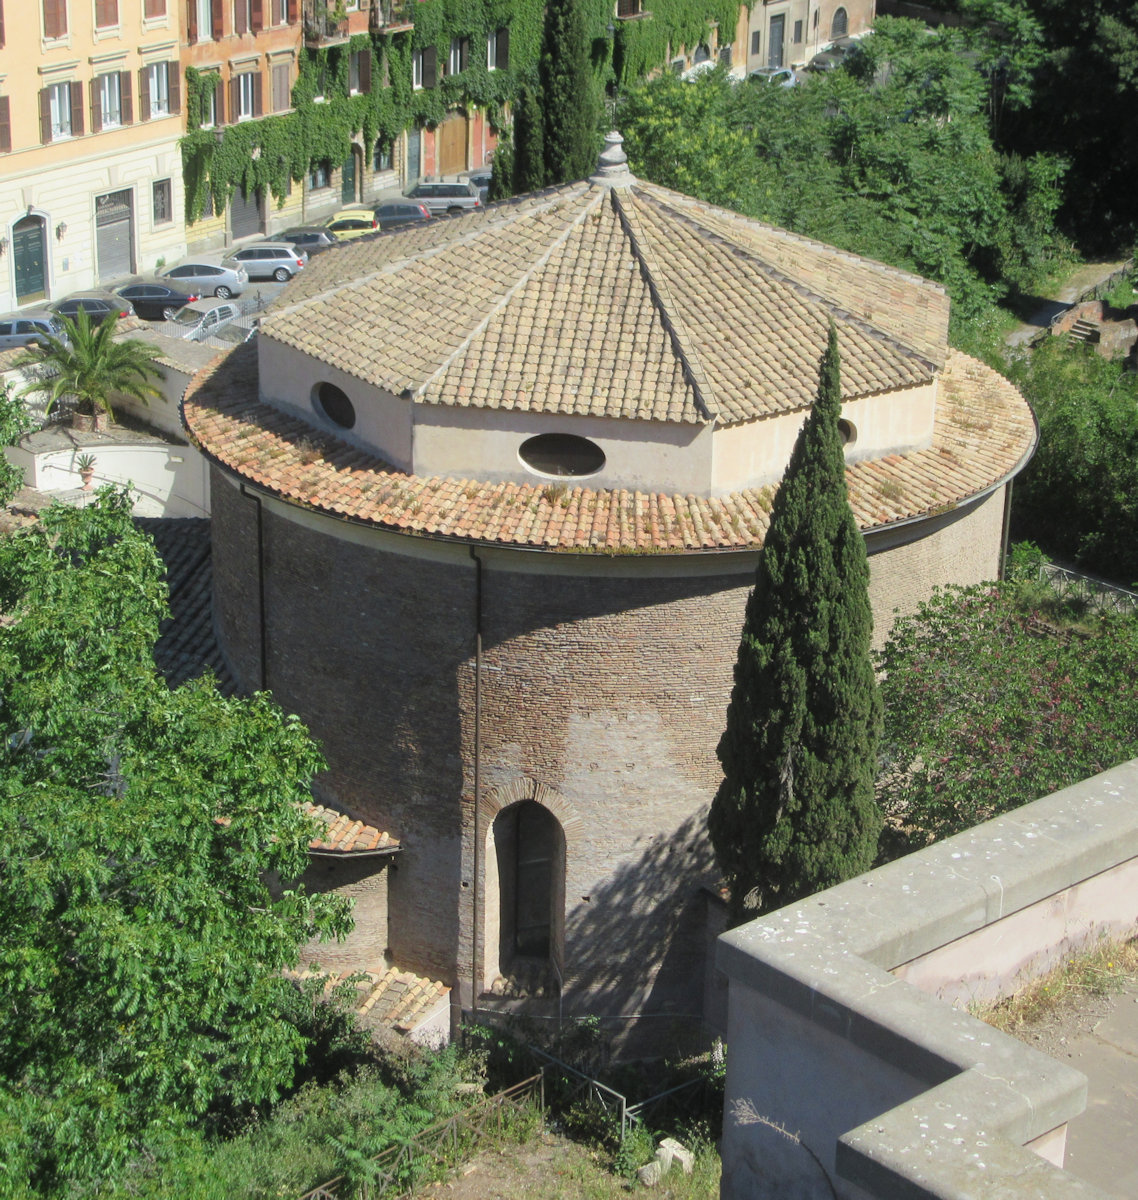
[(983, 433), (388, 996), (631, 302), (346, 835)]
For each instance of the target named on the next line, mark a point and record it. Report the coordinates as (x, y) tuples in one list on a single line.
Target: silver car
[(199, 321), (208, 279), (446, 197), (27, 328), (268, 260)]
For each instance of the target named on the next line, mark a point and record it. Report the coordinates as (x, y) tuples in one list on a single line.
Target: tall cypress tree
[(529, 160), (568, 93), (795, 812)]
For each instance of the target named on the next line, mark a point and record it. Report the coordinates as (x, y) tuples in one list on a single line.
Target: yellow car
[(351, 223)]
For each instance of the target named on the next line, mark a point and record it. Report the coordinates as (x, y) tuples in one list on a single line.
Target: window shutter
[(365, 70), (154, 8), (76, 110), (503, 49), (45, 115), (293, 11), (219, 99), (215, 12), (191, 19), (126, 88), (174, 85), (463, 53), (430, 67), (96, 108), (257, 13), (258, 95), (239, 16), (234, 98), (54, 18), (2, 27), (5, 126), (144, 93)]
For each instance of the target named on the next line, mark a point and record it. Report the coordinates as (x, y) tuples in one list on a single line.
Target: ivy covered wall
[(272, 152)]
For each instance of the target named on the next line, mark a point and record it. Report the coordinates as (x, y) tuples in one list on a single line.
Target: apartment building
[(90, 169)]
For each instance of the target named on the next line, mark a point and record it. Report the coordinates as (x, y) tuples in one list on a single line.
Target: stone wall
[(364, 882), (891, 1092)]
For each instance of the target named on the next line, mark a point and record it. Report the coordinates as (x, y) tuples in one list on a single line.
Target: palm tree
[(87, 363)]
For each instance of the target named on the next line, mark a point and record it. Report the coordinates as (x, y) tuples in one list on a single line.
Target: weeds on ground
[(1101, 971)]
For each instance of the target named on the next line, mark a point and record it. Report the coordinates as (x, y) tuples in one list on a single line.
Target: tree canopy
[(795, 812), (139, 827)]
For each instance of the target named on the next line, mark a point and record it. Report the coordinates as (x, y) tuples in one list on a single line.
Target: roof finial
[(612, 167)]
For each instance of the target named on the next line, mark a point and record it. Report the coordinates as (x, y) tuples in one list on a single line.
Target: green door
[(29, 259), (348, 180)]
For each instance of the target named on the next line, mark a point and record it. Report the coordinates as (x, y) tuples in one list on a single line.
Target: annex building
[(487, 499)]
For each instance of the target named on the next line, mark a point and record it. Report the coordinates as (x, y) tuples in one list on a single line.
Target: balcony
[(392, 16), (325, 24)]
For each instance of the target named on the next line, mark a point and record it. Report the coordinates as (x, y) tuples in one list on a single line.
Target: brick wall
[(364, 881), (604, 690)]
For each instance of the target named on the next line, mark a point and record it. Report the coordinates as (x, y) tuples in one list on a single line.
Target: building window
[(59, 100), (110, 100), (204, 12), (498, 50), (155, 101), (282, 87), (321, 85), (529, 854), (242, 16), (154, 8), (106, 14), (756, 42), (798, 33), (384, 155), (725, 56), (847, 431), (320, 176), (246, 94), (562, 454), (54, 18), (278, 12), (459, 50), (840, 26), (677, 66), (424, 68), (210, 115), (163, 202), (702, 53), (359, 72), (332, 402), (417, 69)]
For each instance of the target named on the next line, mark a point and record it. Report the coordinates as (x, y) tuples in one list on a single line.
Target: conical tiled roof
[(615, 298)]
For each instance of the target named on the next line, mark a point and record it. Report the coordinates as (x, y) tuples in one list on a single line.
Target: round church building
[(487, 498)]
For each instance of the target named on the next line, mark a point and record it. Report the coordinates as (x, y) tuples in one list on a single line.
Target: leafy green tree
[(140, 967), (90, 365), (795, 812), (529, 152), (568, 94), (989, 704), (1078, 497), (14, 421), (502, 175)]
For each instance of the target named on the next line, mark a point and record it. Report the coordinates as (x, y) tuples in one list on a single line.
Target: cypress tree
[(795, 812), (529, 160), (502, 176), (568, 93)]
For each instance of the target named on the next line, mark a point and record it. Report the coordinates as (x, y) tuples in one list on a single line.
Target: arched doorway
[(29, 258), (526, 878)]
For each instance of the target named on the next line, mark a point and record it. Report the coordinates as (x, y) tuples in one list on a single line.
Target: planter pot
[(86, 423), (87, 476)]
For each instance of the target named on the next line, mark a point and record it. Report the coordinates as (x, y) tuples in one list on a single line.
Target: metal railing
[(398, 1171), (1096, 593)]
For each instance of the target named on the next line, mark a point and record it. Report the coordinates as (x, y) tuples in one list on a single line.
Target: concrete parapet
[(848, 1073)]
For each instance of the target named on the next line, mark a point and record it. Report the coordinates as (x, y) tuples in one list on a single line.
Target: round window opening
[(333, 403), (848, 432), (562, 454)]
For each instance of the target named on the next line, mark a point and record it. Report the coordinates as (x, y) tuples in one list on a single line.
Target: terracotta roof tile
[(344, 834), (984, 431)]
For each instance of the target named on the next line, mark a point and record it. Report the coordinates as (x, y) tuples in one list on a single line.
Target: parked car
[(28, 328), (400, 212), (208, 279), (153, 300), (480, 177), (833, 56), (446, 197), (268, 260), (312, 238), (774, 76), (351, 223), (199, 320), (99, 306)]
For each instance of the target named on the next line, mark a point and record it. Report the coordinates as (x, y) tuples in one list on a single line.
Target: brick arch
[(522, 787)]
